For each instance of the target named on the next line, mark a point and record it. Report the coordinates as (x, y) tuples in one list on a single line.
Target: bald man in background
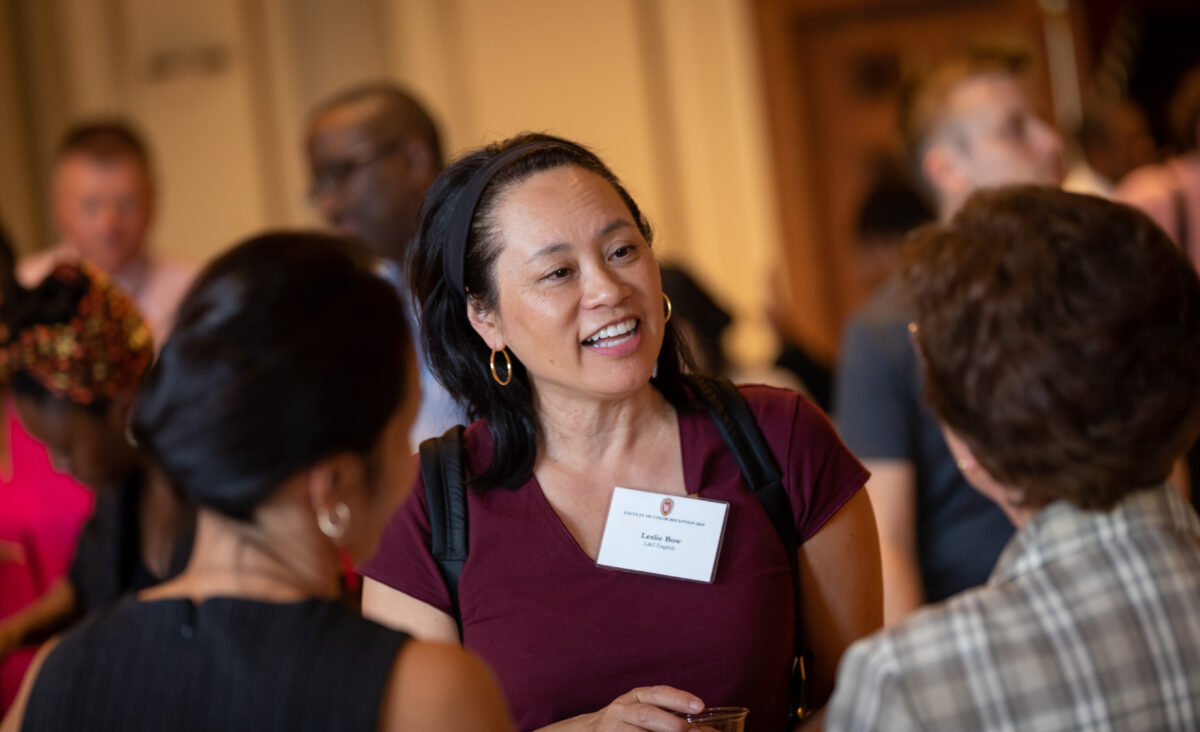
[(373, 151)]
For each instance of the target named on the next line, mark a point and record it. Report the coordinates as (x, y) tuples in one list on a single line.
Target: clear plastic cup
[(718, 719)]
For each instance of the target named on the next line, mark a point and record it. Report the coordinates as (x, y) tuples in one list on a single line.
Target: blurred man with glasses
[(372, 153)]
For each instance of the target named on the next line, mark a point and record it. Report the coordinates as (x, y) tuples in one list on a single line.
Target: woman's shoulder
[(225, 643), (136, 616), (476, 450), (791, 421), (759, 393), (116, 618), (1148, 185), (782, 415), (774, 406), (147, 612), (442, 686)]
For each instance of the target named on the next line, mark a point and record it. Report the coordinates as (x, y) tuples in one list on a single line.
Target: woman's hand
[(644, 708)]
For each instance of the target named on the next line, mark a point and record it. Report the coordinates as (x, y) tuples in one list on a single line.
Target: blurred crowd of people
[(990, 530)]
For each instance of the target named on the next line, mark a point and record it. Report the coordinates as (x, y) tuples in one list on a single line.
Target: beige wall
[(18, 185), (667, 91)]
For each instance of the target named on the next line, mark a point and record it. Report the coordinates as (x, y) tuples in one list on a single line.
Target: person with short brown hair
[(1032, 304), (1060, 337)]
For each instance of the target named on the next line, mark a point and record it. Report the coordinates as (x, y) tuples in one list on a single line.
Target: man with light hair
[(103, 203), (967, 125)]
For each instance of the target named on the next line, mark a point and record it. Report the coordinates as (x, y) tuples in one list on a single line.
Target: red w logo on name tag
[(666, 506)]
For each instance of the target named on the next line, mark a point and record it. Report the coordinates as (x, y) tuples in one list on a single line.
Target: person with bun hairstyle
[(73, 350), (542, 308), (280, 405)]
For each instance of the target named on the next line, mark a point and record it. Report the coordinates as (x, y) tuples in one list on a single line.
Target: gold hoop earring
[(507, 363), (668, 301), (334, 526)]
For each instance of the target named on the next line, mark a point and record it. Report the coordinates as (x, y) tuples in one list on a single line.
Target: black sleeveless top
[(222, 664)]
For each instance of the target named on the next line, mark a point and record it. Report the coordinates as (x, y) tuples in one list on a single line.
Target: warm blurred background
[(748, 129)]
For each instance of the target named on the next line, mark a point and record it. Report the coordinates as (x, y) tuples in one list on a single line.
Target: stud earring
[(334, 526)]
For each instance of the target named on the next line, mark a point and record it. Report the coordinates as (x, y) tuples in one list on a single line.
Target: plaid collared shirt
[(1090, 621)]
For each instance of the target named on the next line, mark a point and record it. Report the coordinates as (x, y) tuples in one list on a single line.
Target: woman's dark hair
[(8, 266), (286, 350), (890, 209), (1183, 111), (457, 355), (1061, 341), (695, 307), (52, 302)]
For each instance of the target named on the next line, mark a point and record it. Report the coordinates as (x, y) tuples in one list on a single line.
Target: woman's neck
[(232, 558), (587, 430)]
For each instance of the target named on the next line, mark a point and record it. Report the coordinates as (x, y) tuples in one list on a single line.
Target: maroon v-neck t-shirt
[(566, 637)]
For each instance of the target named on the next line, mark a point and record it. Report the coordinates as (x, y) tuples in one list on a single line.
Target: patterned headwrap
[(100, 352)]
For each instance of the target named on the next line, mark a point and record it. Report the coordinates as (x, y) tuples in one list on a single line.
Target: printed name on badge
[(656, 533)]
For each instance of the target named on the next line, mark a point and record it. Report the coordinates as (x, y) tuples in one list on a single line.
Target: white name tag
[(657, 533)]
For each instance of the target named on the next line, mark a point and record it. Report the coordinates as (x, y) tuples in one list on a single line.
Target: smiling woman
[(524, 256), (585, 311), (531, 255)]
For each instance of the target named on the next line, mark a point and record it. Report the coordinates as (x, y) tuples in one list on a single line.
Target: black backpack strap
[(745, 440), (446, 498)]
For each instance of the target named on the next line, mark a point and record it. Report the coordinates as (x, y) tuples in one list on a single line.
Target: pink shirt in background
[(1155, 188), (42, 511), (41, 515)]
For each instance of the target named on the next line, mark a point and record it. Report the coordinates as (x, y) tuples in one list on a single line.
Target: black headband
[(454, 255)]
